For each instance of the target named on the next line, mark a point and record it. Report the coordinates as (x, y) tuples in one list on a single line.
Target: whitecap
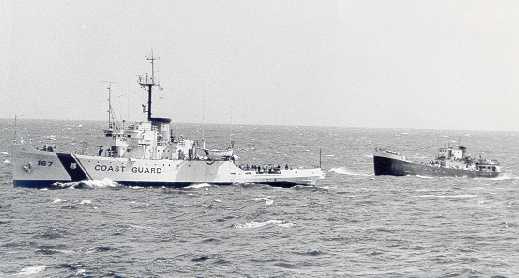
[(268, 201), (329, 155), (346, 171), (7, 161), (58, 200), (4, 153), (253, 224), (85, 202), (88, 184), (198, 185), (30, 270), (424, 177), (218, 200), (286, 225), (106, 182)]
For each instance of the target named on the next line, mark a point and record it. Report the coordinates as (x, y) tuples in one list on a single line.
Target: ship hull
[(40, 169), (391, 166)]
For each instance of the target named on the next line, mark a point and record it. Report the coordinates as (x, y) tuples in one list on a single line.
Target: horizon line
[(277, 125)]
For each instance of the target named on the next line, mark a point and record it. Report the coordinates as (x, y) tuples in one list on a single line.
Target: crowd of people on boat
[(265, 169)]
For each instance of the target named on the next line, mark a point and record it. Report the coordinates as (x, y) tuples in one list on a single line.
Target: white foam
[(58, 200), (4, 153), (286, 225), (504, 177), (268, 201), (218, 200), (253, 224), (7, 161), (30, 270), (198, 185), (85, 202), (424, 177), (106, 182), (329, 155), (346, 171)]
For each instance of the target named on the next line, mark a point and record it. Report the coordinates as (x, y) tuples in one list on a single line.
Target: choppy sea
[(351, 225)]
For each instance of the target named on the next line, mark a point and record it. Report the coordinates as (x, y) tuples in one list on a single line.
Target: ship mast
[(148, 82), (109, 89)]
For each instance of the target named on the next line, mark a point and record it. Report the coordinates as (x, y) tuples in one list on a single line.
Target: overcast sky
[(418, 64)]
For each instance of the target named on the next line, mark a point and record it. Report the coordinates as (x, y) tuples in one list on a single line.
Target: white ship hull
[(42, 169)]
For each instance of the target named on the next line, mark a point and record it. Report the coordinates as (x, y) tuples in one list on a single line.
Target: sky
[(374, 63)]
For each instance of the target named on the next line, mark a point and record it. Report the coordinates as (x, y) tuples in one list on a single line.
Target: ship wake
[(349, 172), (505, 177)]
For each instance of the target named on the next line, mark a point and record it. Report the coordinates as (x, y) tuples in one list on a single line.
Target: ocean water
[(352, 225)]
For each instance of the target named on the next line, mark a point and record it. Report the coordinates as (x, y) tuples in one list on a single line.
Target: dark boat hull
[(396, 167)]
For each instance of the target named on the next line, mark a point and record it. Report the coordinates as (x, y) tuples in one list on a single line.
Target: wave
[(85, 202), (424, 177), (58, 200), (198, 185), (30, 270), (346, 171), (505, 177), (268, 201), (89, 184), (448, 196), (253, 224)]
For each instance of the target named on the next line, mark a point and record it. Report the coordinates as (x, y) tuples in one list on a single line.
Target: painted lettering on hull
[(146, 170), (109, 168), (123, 169)]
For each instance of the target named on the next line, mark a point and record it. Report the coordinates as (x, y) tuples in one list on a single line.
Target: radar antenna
[(148, 82)]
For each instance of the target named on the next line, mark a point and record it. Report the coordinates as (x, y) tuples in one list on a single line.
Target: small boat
[(451, 161)]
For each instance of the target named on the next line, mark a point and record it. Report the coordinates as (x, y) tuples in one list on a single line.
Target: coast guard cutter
[(147, 154)]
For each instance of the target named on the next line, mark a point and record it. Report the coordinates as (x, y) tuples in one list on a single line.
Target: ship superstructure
[(450, 161), (147, 153)]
